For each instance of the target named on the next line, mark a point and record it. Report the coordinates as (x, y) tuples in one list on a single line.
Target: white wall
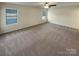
[(0, 17), (66, 15), (28, 16)]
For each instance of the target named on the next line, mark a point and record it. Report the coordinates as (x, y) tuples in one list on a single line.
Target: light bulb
[(46, 6)]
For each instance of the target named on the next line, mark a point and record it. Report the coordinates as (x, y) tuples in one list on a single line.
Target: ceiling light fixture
[(46, 5)]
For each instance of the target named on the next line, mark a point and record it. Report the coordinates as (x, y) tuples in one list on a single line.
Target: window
[(44, 16), (11, 16), (44, 13)]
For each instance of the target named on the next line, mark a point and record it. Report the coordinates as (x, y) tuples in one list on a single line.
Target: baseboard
[(68, 27), (23, 28)]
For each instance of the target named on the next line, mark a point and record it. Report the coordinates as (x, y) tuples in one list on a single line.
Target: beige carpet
[(43, 40)]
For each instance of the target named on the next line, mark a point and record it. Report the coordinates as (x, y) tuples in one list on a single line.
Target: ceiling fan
[(48, 5)]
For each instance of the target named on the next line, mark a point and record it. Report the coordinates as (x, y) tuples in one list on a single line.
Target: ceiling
[(40, 3), (26, 3)]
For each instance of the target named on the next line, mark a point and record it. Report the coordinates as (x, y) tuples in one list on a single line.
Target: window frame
[(6, 17), (45, 13)]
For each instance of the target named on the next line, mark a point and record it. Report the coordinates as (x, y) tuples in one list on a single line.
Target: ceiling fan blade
[(51, 5)]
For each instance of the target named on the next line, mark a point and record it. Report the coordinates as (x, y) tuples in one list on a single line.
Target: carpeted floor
[(43, 40)]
